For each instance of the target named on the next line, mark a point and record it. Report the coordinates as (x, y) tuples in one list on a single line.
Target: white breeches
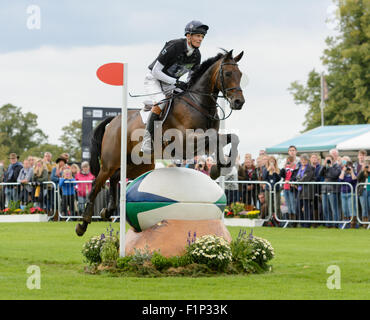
[(152, 86)]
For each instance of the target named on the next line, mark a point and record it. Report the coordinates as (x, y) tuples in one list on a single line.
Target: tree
[(347, 58), (4, 150), (18, 130), (39, 151), (71, 140)]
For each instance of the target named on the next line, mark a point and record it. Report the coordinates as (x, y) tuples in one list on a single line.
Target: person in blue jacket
[(67, 185)]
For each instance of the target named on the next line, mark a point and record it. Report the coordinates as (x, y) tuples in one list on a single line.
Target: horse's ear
[(239, 56), (229, 55)]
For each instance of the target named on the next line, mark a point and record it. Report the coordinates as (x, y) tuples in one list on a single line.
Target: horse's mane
[(203, 68)]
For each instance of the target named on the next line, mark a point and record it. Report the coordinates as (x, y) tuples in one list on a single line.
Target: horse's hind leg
[(106, 213), (89, 209)]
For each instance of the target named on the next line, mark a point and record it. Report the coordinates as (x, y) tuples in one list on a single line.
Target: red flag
[(111, 73)]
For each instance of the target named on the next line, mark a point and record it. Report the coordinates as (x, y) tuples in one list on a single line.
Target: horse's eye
[(228, 74)]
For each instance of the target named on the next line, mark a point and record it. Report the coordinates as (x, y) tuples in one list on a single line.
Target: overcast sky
[(50, 71)]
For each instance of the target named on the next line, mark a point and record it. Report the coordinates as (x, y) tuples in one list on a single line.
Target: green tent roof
[(321, 139)]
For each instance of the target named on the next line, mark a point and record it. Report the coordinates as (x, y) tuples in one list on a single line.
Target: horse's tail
[(96, 144)]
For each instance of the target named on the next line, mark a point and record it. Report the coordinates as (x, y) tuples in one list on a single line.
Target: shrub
[(123, 262), (160, 262), (250, 253), (181, 261), (141, 256), (212, 251), (109, 251), (91, 250)]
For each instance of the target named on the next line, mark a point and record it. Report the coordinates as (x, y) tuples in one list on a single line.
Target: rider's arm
[(160, 75)]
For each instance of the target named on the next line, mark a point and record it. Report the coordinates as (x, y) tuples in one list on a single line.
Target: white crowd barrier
[(21, 195), (318, 208)]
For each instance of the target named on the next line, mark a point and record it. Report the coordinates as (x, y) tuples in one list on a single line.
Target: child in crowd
[(75, 170), (66, 183)]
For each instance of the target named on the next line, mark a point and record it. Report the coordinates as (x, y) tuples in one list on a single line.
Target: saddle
[(164, 113)]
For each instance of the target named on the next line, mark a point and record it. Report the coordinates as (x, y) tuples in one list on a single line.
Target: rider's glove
[(181, 85)]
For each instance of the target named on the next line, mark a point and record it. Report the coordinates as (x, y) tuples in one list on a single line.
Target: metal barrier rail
[(363, 203), (26, 193), (51, 200), (268, 192), (72, 207), (337, 194)]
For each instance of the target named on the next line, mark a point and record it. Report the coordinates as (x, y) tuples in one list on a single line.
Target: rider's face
[(195, 39)]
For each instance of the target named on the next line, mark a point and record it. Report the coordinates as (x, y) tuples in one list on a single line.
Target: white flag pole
[(123, 163)]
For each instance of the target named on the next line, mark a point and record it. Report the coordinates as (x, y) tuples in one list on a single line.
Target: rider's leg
[(146, 146), (152, 85)]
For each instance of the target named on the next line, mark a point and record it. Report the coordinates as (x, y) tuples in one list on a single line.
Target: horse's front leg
[(89, 209), (225, 163)]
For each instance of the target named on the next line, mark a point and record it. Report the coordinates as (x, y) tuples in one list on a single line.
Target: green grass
[(302, 259)]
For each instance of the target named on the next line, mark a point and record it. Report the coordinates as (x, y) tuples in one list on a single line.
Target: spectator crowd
[(35, 180), (307, 187)]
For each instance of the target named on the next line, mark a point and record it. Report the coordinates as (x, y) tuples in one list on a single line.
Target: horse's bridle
[(223, 90), (221, 77)]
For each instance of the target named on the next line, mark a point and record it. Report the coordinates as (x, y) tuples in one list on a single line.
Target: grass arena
[(301, 268)]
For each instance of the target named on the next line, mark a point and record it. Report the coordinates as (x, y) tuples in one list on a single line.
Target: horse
[(195, 108)]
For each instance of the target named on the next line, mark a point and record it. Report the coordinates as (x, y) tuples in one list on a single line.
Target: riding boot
[(146, 146)]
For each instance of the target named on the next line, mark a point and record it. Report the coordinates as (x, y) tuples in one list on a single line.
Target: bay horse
[(195, 108)]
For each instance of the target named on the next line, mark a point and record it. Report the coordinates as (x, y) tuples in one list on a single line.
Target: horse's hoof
[(80, 229), (104, 214)]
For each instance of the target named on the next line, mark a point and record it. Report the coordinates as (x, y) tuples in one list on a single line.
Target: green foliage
[(251, 254), (19, 131), (95, 251), (109, 251), (141, 256), (180, 261), (123, 262), (160, 262), (91, 250), (347, 59), (72, 138), (241, 250)]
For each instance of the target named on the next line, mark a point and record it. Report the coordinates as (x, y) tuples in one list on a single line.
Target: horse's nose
[(238, 103)]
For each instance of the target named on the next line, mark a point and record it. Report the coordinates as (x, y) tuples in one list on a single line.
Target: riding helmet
[(195, 27)]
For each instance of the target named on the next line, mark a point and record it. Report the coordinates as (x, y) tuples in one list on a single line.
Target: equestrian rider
[(177, 58)]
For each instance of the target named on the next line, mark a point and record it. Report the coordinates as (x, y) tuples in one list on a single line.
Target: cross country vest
[(175, 60)]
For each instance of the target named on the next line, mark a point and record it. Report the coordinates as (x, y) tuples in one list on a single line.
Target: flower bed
[(204, 256), (240, 210), (17, 213), (15, 207)]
